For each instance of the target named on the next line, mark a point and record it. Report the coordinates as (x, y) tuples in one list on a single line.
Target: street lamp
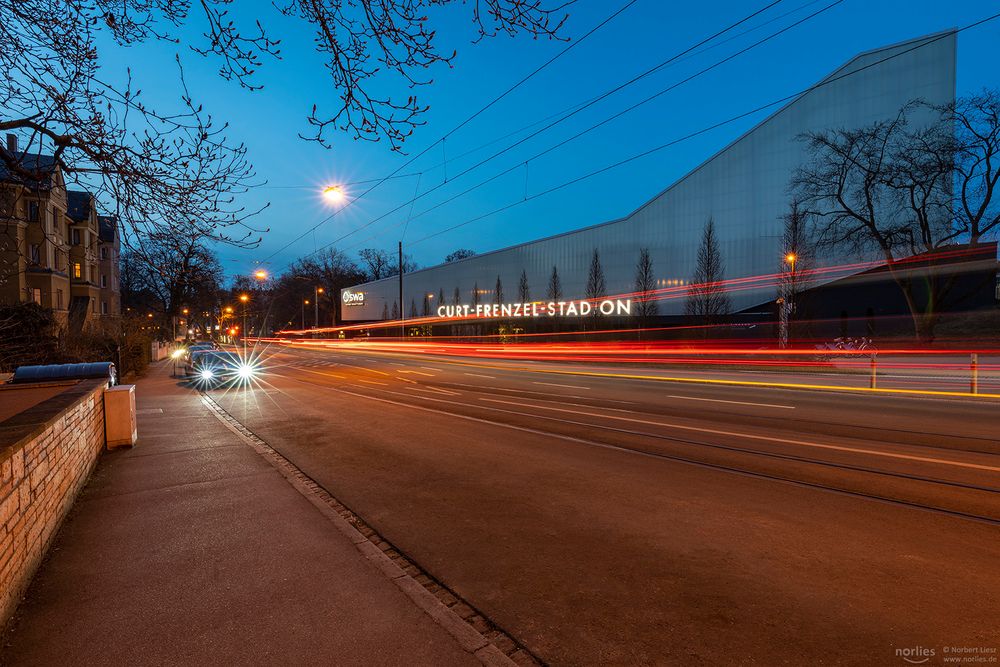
[(305, 302), (316, 292), (786, 303), (260, 274), (333, 194), (244, 298)]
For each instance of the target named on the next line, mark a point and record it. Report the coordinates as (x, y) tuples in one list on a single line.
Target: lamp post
[(305, 302), (316, 292), (244, 298), (787, 303)]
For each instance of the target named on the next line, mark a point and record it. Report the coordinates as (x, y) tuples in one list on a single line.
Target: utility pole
[(402, 317)]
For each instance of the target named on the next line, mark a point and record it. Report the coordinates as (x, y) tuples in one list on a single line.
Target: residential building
[(85, 287), (34, 234), (54, 248), (108, 266)]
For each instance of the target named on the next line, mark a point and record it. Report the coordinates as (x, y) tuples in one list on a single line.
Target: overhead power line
[(703, 130), (462, 124), (604, 95)]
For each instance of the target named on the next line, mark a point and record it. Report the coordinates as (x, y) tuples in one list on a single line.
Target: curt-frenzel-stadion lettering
[(539, 309)]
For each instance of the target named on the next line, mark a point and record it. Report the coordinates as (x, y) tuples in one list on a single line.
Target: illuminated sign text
[(539, 309), (353, 298)]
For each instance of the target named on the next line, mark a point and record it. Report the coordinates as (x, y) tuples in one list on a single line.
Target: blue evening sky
[(269, 121)]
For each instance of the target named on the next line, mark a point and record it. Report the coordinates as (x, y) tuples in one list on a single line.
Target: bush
[(28, 335)]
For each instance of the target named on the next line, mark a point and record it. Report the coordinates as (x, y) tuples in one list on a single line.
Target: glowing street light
[(260, 274), (790, 258), (333, 194), (244, 298)]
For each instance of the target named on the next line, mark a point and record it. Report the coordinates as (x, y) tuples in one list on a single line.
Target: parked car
[(197, 347), (193, 353), (212, 368)]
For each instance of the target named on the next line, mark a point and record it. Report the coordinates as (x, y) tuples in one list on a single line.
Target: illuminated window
[(77, 270)]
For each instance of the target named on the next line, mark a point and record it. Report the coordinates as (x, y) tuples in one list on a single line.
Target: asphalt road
[(604, 519)]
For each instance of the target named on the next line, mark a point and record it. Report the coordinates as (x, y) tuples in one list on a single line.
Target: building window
[(76, 237), (104, 280), (59, 299), (93, 305), (35, 253), (104, 307), (36, 296), (32, 211), (104, 252), (77, 270)]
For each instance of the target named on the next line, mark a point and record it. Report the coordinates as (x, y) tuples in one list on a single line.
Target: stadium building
[(743, 189)]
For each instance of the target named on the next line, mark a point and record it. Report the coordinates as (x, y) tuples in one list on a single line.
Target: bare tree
[(645, 284), (554, 292), (475, 295), (456, 297), (976, 122), (523, 291), (395, 310), (885, 189), (162, 167), (707, 300), (377, 263), (461, 253), (596, 284), (498, 292), (179, 272), (796, 252)]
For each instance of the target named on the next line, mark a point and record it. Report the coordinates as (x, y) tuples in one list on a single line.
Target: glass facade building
[(743, 188)]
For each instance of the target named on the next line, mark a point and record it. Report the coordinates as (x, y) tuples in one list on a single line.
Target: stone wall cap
[(20, 429)]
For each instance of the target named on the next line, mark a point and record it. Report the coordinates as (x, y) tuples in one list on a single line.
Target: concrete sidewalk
[(191, 548)]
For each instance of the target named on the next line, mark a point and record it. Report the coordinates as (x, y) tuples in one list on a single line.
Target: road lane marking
[(751, 436), (430, 375), (370, 370), (567, 386), (540, 393), (436, 390), (427, 368), (333, 375), (652, 455), (384, 384), (720, 400), (480, 375)]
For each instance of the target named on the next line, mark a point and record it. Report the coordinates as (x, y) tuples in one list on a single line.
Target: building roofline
[(928, 38)]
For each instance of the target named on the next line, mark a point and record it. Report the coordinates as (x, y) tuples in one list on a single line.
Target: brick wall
[(46, 454)]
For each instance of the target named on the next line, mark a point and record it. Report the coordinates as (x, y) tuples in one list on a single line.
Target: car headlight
[(245, 371), (207, 374), (177, 354)]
